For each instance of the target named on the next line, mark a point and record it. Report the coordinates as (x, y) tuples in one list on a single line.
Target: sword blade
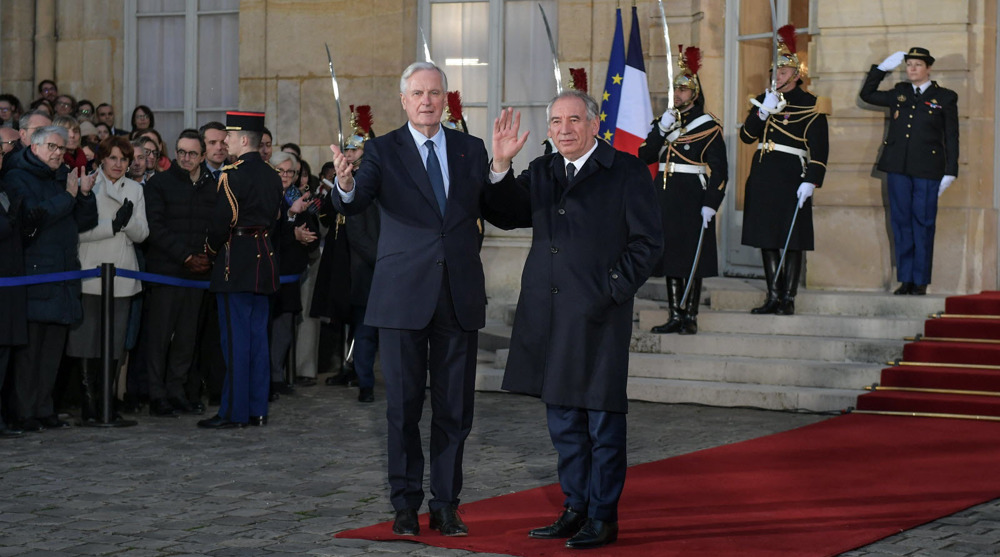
[(694, 266), (774, 46), (555, 52), (670, 55), (336, 97), (427, 48), (781, 262)]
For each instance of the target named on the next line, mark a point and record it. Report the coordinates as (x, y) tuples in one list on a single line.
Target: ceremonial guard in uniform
[(245, 272), (919, 156), (687, 142), (789, 127)]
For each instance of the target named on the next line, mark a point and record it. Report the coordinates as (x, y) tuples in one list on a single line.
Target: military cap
[(245, 121), (920, 54)]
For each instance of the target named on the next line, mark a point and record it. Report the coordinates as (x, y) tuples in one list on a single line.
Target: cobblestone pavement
[(166, 488)]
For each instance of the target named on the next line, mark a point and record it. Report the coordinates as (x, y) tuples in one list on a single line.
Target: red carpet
[(815, 491)]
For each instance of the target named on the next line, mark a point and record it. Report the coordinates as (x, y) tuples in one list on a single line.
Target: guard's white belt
[(675, 168), (772, 146)]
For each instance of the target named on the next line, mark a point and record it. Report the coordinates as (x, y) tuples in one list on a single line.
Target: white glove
[(945, 182), (667, 121), (892, 62), (706, 216), (805, 192), (770, 104)]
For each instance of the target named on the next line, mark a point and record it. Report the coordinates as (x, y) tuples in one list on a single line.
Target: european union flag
[(613, 84)]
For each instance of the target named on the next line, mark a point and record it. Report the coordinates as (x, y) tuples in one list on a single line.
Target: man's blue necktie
[(434, 174)]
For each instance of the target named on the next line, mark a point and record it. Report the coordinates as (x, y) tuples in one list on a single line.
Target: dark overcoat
[(770, 197), (178, 212), (14, 317), (332, 295), (56, 247), (594, 243), (682, 195), (249, 199), (293, 257), (417, 244), (362, 238), (922, 140)]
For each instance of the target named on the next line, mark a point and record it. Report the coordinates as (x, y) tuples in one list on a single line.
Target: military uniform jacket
[(243, 222), (770, 197), (683, 194), (594, 243), (923, 131)]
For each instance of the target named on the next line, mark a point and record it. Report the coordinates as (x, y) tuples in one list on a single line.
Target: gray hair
[(416, 67), (41, 134), (279, 157), (592, 109), (26, 118)]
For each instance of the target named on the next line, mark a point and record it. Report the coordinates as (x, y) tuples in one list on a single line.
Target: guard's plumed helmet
[(689, 62), (361, 121), (787, 58), (453, 117)]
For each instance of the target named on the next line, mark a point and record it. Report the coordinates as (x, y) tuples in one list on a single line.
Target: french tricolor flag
[(626, 112)]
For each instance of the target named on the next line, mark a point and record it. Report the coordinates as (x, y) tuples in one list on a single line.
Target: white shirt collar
[(923, 86), (578, 163), (419, 138)]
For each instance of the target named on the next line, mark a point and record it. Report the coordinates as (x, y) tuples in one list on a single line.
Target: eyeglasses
[(63, 103), (151, 153), (53, 148), (141, 116), (5, 109), (9, 142), (288, 172), (47, 89), (182, 154), (85, 111)]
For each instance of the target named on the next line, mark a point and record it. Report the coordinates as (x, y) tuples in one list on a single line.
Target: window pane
[(206, 116), (460, 38), (755, 17), (218, 5), (218, 69), (159, 6), (161, 63), (528, 72)]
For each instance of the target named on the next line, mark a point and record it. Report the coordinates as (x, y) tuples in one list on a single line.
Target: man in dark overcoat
[(919, 157), (245, 272), (596, 236), (790, 130)]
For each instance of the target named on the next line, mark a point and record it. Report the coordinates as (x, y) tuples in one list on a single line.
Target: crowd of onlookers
[(76, 191)]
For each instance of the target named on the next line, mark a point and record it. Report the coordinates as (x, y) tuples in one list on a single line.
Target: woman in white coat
[(121, 213)]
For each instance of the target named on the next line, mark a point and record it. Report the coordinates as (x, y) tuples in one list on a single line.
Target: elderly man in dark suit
[(919, 156), (596, 236), (428, 295)]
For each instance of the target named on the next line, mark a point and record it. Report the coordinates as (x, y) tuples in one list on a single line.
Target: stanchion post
[(292, 363), (108, 348)]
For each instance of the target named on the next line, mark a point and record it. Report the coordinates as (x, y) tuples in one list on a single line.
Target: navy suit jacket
[(417, 245)]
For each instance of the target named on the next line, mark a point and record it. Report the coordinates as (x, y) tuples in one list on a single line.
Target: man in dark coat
[(40, 178), (687, 142), (596, 236), (245, 271), (919, 157), (428, 295), (789, 127)]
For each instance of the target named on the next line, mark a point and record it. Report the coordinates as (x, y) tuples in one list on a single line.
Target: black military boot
[(690, 324), (771, 258), (89, 405), (790, 278), (675, 289)]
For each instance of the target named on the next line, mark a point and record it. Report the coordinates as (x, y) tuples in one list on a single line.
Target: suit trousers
[(592, 461), (450, 354), (913, 206), (36, 365), (243, 318), (365, 346), (170, 337)]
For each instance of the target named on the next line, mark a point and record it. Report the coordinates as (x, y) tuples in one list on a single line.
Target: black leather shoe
[(162, 408), (301, 381), (53, 422), (594, 533), (258, 420), (446, 520), (566, 526), (672, 326), (9, 432), (904, 289), (689, 326), (406, 523), (181, 406), (218, 422), (366, 394), (197, 407), (770, 306), (786, 307), (918, 290), (30, 424)]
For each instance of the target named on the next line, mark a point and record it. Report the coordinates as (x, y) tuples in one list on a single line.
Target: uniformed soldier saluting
[(692, 182), (789, 127), (245, 272), (919, 156)]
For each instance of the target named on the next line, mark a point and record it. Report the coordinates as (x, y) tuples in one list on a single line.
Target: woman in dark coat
[(692, 183)]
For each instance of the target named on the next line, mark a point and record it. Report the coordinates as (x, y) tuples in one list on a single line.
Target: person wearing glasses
[(143, 119), (39, 176), (10, 110), (85, 111), (75, 156), (65, 105), (9, 139), (47, 90)]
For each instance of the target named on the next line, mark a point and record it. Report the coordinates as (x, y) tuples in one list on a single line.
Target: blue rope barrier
[(137, 275)]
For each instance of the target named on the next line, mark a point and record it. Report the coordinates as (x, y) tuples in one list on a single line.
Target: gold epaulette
[(274, 168), (714, 117), (824, 105), (232, 166)]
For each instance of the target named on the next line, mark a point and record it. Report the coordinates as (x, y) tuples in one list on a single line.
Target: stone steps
[(769, 345), (743, 322)]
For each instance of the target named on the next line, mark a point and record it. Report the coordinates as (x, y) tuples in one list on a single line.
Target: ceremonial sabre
[(670, 56), (427, 48), (555, 52), (694, 267), (774, 47), (781, 262), (336, 97)]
